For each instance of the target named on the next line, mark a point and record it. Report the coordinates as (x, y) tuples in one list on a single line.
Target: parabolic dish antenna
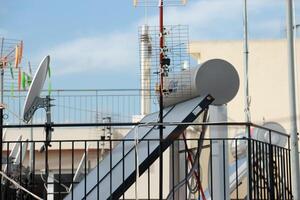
[(265, 135), (33, 100)]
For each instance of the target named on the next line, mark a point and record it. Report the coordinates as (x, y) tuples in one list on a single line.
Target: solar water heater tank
[(216, 77)]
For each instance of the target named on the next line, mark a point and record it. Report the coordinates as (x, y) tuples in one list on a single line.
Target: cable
[(196, 161), (19, 186)]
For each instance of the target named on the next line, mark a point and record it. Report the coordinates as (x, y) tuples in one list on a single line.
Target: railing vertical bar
[(110, 168), (236, 168), (173, 170), (59, 170), (33, 168), (264, 169), (290, 180), (284, 173), (224, 172), (277, 172), (149, 180), (254, 169), (271, 166), (123, 166), (259, 175), (7, 170), (211, 169), (267, 150), (72, 192), (21, 164), (288, 173), (249, 163), (98, 160), (85, 166)]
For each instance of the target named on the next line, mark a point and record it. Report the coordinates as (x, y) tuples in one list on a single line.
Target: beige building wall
[(268, 76)]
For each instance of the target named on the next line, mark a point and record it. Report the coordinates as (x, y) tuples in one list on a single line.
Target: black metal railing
[(257, 169)]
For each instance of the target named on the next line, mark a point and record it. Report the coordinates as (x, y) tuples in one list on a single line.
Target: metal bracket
[(38, 103)]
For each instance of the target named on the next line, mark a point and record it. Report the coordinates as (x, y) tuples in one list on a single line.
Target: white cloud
[(206, 19), (116, 51), (223, 19)]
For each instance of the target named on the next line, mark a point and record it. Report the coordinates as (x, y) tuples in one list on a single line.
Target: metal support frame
[(40, 102), (219, 160)]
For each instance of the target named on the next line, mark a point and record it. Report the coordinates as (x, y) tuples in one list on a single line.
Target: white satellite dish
[(78, 176), (276, 138), (33, 96), (21, 154), (33, 100), (14, 152)]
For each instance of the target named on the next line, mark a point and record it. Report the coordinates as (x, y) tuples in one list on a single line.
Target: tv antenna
[(163, 69)]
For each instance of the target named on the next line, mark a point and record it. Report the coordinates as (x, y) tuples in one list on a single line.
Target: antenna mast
[(163, 65), (246, 65)]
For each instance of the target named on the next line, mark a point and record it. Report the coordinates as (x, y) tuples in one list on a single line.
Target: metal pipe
[(292, 94), (1, 116), (161, 128), (246, 65)]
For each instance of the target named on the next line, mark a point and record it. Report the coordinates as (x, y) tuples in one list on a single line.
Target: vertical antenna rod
[(292, 91), (246, 64), (161, 56), (1, 112)]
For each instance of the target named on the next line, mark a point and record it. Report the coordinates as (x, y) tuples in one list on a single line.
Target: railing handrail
[(145, 124)]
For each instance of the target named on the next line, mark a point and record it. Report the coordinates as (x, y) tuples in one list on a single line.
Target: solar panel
[(111, 168)]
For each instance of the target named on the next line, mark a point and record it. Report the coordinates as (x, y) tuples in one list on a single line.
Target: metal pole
[(48, 131), (246, 92), (292, 94), (1, 117), (161, 30), (31, 149), (246, 61)]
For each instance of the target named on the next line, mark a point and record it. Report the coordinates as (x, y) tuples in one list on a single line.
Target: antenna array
[(11, 52), (176, 56)]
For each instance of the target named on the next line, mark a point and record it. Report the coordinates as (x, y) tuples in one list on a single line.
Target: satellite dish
[(21, 154), (276, 138), (14, 152), (33, 100), (79, 174), (36, 86)]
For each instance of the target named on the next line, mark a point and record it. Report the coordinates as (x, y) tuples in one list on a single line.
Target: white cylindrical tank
[(216, 77)]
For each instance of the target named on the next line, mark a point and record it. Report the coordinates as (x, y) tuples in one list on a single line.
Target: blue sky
[(93, 43)]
